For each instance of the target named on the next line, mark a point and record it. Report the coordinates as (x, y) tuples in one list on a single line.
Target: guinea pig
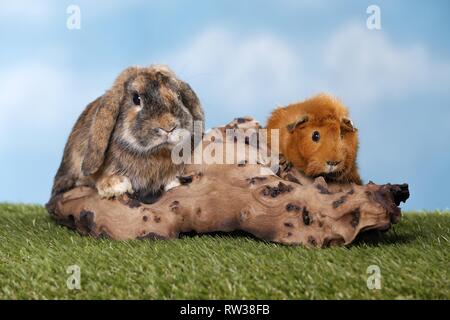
[(122, 141), (318, 138)]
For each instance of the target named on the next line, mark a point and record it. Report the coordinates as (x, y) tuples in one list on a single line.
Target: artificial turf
[(35, 253)]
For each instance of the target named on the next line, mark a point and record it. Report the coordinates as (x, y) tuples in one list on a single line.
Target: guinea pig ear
[(191, 102), (100, 131), (302, 120), (347, 124)]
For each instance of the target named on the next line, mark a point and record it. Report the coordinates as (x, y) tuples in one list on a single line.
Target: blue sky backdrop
[(241, 57)]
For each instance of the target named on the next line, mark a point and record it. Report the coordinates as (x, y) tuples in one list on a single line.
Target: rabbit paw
[(113, 186)]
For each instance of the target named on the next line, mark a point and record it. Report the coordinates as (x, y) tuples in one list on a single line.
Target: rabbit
[(122, 141), (317, 137)]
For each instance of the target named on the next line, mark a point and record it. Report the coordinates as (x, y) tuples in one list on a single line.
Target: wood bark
[(287, 208)]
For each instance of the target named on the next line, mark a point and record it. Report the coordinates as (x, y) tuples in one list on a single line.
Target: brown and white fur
[(122, 141), (318, 138)]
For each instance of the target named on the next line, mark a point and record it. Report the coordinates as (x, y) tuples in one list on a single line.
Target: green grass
[(34, 255)]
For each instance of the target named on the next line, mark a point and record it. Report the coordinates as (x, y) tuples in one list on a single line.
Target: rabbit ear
[(104, 121), (191, 101), (101, 128)]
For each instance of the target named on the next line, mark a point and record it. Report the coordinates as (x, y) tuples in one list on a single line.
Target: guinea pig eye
[(136, 99), (316, 136)]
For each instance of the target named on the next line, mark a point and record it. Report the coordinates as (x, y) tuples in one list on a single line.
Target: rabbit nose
[(333, 163)]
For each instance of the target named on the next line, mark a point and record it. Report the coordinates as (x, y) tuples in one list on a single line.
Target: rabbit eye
[(136, 99), (316, 136)]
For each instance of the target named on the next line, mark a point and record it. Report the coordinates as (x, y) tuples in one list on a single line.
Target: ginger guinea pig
[(122, 141), (318, 138)]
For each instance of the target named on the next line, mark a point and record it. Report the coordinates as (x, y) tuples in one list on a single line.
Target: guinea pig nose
[(333, 163)]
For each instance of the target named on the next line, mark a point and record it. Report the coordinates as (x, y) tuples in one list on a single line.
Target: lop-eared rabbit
[(122, 141)]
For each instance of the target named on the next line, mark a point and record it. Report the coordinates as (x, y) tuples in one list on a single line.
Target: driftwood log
[(287, 208)]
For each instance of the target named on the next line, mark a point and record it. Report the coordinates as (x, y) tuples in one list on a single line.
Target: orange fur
[(338, 141)]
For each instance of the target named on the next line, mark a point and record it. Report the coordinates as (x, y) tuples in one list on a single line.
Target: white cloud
[(364, 65), (37, 100), (30, 95), (358, 65), (25, 10), (240, 72)]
